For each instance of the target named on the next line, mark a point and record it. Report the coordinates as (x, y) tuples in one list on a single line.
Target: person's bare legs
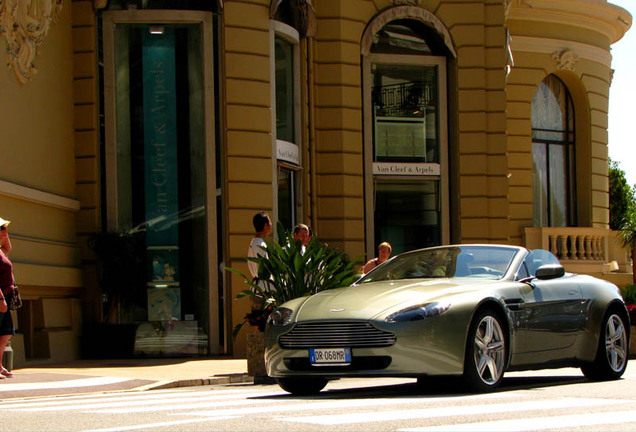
[(4, 339)]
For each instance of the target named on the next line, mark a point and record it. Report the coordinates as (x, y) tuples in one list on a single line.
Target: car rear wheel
[(486, 352), (302, 386), (612, 352)]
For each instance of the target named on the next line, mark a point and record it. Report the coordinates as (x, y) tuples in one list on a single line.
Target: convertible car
[(468, 311)]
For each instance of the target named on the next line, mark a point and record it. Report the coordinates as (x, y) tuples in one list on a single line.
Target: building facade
[(153, 130)]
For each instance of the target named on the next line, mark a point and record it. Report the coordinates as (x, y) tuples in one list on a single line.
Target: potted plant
[(285, 274)]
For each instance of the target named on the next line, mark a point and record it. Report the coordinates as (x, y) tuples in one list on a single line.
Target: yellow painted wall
[(38, 185), (535, 50), (247, 136)]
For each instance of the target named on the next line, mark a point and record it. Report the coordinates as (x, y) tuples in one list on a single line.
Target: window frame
[(441, 174), (110, 19), (291, 35)]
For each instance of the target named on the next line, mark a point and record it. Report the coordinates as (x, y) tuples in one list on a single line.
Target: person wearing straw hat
[(7, 284)]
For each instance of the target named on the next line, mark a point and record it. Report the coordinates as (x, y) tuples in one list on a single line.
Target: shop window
[(406, 136), (407, 213), (284, 66), (405, 113), (286, 91), (553, 167), (287, 196), (160, 180)]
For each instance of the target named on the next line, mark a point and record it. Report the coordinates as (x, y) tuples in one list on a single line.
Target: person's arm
[(5, 242), (368, 266)]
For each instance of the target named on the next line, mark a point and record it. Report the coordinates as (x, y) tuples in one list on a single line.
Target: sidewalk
[(122, 374)]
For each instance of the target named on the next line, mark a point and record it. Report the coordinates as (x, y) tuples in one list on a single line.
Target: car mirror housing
[(550, 271)]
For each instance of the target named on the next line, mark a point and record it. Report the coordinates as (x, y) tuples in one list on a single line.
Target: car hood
[(369, 300)]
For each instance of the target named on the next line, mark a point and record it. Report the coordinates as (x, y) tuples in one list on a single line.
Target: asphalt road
[(544, 400)]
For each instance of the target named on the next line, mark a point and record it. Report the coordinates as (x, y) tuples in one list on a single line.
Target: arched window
[(553, 170)]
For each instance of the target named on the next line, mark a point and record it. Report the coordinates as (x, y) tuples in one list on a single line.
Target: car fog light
[(280, 317)]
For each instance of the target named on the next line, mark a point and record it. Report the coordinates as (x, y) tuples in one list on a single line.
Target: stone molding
[(407, 2), (552, 46), (39, 197), (565, 59), (605, 18), (405, 12), (25, 25)]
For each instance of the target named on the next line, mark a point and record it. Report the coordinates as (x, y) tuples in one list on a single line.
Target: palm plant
[(627, 237), (287, 273)]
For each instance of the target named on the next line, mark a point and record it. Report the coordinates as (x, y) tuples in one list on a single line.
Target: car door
[(549, 316)]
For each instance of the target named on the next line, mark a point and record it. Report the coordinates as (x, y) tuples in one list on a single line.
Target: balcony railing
[(593, 251), (571, 243)]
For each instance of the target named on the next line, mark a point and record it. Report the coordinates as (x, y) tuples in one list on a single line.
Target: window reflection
[(553, 154), (284, 90)]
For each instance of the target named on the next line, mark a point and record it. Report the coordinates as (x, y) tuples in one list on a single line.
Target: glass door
[(160, 177)]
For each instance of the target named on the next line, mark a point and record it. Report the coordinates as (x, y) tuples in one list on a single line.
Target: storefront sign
[(406, 169), (160, 139), (288, 152)]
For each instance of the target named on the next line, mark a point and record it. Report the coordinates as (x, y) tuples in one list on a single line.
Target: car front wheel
[(302, 386), (612, 352), (486, 352)]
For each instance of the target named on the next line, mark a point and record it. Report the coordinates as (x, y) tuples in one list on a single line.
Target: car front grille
[(336, 334)]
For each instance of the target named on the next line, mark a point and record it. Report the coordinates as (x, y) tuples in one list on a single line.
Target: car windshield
[(486, 262)]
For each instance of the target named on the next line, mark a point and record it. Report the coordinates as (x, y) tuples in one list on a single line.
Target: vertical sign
[(160, 160), (160, 138)]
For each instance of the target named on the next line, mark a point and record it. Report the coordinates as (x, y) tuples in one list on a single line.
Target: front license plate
[(326, 356)]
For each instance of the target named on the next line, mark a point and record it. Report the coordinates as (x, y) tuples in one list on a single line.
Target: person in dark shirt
[(7, 284)]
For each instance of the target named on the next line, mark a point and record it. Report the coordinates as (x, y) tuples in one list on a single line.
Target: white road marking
[(537, 423), (146, 403), (339, 403), (158, 425), (83, 382), (451, 411), (129, 396)]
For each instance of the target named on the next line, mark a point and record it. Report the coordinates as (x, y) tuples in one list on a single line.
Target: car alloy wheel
[(490, 350), (616, 343), (613, 348)]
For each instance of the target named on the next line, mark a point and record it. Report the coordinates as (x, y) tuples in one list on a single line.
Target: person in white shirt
[(263, 227), (301, 232)]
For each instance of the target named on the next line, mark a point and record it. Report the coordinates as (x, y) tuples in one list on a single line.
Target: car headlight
[(280, 317), (418, 312)]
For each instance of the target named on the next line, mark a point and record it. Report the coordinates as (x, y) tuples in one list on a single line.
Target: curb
[(214, 380)]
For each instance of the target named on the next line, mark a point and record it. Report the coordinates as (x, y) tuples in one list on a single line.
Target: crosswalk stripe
[(451, 411), (159, 424), (127, 396), (536, 423), (146, 403), (83, 382), (336, 404)]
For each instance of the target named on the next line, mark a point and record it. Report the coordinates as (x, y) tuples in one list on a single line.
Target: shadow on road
[(433, 387)]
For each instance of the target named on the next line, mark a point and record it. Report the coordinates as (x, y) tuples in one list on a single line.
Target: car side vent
[(336, 334)]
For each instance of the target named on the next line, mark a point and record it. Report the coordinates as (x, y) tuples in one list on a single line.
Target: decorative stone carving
[(565, 59), (24, 25), (304, 15), (408, 12), (407, 2)]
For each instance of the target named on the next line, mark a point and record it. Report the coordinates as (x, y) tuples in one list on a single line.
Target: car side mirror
[(550, 271)]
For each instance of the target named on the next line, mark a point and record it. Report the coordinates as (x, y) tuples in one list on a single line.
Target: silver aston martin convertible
[(468, 311)]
